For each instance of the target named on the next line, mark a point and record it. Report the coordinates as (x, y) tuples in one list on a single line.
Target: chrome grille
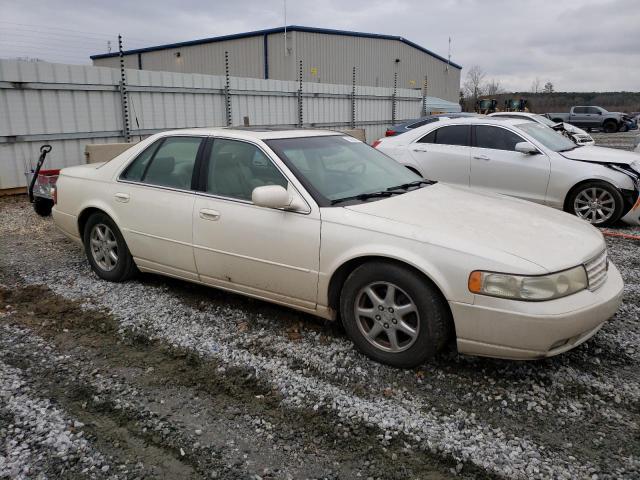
[(597, 270)]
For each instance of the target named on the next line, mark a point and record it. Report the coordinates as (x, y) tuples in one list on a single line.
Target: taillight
[(390, 133), (376, 143), (54, 195)]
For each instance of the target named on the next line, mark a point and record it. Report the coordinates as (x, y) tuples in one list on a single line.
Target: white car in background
[(323, 223), (578, 135), (527, 160)]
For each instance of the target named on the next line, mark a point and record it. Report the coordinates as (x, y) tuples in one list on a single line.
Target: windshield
[(338, 167), (544, 120), (548, 137)]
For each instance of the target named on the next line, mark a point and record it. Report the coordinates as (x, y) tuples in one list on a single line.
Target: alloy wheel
[(387, 317), (595, 205), (104, 247)]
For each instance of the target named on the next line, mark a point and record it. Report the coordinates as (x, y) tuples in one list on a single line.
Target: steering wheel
[(358, 168)]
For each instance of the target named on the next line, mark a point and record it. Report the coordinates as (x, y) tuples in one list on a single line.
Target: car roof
[(254, 133), (483, 120), (520, 114)]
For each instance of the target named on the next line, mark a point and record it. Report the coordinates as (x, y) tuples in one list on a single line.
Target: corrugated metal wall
[(326, 58), (70, 106)]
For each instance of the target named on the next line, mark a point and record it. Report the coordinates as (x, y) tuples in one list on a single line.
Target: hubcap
[(104, 247), (595, 205), (387, 317)]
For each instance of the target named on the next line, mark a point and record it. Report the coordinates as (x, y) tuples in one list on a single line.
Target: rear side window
[(136, 169), (496, 138), (450, 135), (429, 137), (580, 110)]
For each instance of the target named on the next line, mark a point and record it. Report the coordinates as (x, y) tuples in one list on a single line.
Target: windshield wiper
[(363, 196), (569, 149), (407, 186)]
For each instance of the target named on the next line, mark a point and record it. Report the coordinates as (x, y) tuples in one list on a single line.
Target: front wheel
[(610, 126), (393, 315), (106, 249), (598, 203)]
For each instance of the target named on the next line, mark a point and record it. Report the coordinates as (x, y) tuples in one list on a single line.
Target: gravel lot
[(161, 378)]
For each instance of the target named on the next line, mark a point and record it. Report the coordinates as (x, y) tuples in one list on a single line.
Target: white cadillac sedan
[(527, 160), (321, 222)]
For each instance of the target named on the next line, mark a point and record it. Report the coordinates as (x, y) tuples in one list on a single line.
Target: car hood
[(487, 225), (601, 155), (573, 129)]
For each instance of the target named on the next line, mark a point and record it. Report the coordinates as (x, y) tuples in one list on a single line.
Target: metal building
[(328, 56)]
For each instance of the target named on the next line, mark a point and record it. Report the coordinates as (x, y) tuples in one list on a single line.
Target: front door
[(268, 253), (496, 166)]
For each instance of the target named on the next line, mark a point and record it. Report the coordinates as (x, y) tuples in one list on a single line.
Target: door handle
[(208, 214), (121, 197), (481, 157), (419, 149)]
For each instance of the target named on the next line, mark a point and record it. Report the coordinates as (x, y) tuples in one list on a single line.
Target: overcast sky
[(579, 45)]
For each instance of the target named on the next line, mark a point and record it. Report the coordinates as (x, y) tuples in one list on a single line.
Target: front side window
[(335, 167), (593, 110), (168, 163), (173, 162), (497, 138), (235, 168)]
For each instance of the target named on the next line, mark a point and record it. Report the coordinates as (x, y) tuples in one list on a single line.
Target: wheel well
[(342, 273), (84, 216)]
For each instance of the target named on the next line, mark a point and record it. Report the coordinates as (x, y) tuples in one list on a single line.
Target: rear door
[(153, 201), (497, 167), (444, 154), (582, 117)]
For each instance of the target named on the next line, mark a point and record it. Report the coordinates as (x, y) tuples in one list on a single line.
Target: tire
[(42, 206), (430, 321), (579, 203), (101, 229), (610, 126)]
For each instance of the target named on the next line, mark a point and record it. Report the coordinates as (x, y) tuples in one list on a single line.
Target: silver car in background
[(579, 136)]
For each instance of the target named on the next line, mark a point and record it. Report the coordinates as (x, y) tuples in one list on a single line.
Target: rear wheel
[(106, 249), (599, 203), (393, 315), (42, 206)]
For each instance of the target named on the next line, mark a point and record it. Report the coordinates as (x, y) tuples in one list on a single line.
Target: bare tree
[(474, 84), (493, 87), (548, 87), (535, 85)]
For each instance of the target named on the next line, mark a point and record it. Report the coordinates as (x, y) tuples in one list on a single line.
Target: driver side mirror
[(527, 148)]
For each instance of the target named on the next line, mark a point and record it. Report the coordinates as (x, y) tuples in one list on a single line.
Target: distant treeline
[(563, 101)]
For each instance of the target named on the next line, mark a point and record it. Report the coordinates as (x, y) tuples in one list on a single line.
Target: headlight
[(534, 288)]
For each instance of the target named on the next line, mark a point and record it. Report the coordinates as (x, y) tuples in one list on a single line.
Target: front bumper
[(519, 330), (632, 217)]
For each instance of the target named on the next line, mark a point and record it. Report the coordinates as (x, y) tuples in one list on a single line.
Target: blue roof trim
[(292, 28)]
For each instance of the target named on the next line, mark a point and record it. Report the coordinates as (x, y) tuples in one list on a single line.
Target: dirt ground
[(158, 378)]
